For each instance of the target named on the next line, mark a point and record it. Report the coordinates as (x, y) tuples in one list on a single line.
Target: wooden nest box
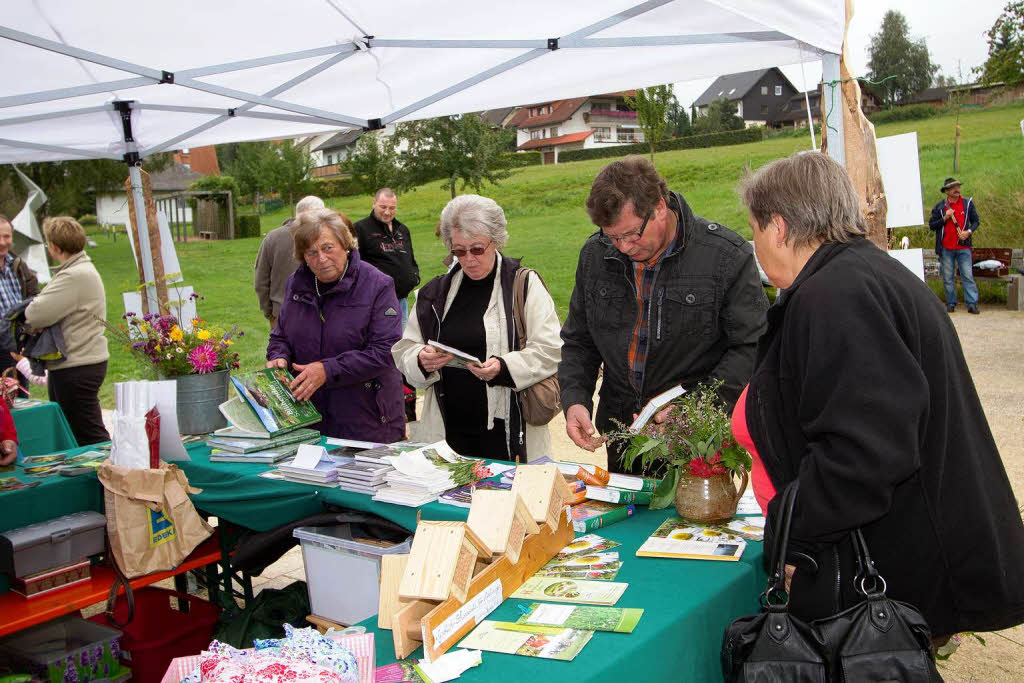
[(543, 490), (441, 561), (502, 521)]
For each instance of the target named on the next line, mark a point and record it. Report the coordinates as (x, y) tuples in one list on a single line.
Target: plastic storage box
[(67, 649), (343, 576), (55, 542), (159, 632)]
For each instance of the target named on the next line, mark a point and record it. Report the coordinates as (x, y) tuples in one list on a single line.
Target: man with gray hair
[(275, 261), (662, 298)]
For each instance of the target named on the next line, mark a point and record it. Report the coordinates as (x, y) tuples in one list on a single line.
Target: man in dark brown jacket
[(17, 283)]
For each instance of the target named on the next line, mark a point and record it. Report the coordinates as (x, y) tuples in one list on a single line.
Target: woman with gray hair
[(862, 394), (474, 407)]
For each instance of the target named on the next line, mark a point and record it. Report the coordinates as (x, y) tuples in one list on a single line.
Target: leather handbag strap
[(868, 581), (777, 581), (519, 306)]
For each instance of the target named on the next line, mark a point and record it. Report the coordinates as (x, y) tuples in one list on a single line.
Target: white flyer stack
[(129, 444), (415, 479)]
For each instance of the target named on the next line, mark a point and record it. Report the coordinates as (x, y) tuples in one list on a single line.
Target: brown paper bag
[(151, 522)]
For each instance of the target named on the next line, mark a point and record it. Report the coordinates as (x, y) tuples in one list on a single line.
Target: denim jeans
[(951, 260)]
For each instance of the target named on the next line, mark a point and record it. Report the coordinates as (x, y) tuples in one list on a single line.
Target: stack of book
[(362, 477), (623, 488), (418, 478), (227, 446), (596, 514), (324, 474)]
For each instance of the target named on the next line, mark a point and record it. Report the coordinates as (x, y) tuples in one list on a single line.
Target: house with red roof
[(577, 123)]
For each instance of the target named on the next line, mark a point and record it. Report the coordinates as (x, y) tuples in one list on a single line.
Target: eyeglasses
[(314, 254), (629, 236), (474, 250)]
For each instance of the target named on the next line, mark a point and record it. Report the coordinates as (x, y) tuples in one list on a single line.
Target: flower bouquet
[(165, 349), (693, 447)]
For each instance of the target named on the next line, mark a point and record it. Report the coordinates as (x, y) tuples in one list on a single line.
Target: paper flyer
[(461, 359), (589, 544), (571, 590), (553, 643), (677, 538), (596, 566), (586, 617)]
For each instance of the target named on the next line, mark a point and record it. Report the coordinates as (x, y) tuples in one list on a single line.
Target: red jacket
[(7, 430)]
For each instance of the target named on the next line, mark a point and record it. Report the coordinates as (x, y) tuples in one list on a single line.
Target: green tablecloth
[(687, 605), (43, 429)]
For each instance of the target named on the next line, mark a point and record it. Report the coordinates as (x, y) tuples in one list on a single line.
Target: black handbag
[(877, 639)]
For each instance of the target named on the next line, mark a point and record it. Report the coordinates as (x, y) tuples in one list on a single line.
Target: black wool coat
[(861, 390)]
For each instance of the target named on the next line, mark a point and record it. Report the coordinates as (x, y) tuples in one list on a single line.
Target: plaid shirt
[(10, 288), (644, 276)]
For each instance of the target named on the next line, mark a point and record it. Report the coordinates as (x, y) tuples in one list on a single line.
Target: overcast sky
[(953, 31)]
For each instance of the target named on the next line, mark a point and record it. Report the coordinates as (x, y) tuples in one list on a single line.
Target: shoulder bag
[(540, 401), (876, 640)]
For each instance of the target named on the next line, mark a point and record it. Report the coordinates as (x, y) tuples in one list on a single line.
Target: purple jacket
[(362, 398)]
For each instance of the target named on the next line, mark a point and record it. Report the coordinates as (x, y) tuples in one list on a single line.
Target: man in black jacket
[(662, 298), (17, 283), (385, 243), (954, 221)]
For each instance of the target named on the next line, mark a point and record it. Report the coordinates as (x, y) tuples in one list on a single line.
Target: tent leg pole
[(832, 128)]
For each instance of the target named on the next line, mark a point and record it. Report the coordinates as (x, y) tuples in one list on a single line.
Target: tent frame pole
[(833, 124)]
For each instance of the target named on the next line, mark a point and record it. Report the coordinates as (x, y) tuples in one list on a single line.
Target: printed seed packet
[(589, 544), (12, 484), (36, 460)]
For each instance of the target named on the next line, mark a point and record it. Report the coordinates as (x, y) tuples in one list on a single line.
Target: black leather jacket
[(707, 313)]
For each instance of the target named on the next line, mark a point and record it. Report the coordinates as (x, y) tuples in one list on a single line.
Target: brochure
[(654, 405), (587, 617), (571, 590), (461, 358), (589, 544), (596, 566), (463, 496), (679, 538), (266, 391), (539, 641)]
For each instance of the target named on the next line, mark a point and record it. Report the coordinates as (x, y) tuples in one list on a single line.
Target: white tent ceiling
[(257, 69)]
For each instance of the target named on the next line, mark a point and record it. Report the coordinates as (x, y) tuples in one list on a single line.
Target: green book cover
[(595, 514), (587, 617), (249, 445), (266, 391), (633, 483)]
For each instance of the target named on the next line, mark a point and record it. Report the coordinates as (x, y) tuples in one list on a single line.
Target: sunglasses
[(475, 251)]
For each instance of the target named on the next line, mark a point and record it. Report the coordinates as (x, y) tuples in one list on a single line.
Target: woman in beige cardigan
[(476, 409), (75, 300)]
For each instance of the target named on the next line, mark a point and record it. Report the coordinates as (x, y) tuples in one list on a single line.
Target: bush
[(910, 112), (336, 187), (87, 219), (247, 225), (520, 159), (729, 137), (272, 205)]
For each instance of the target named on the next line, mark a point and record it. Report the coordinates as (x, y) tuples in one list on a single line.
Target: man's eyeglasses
[(629, 236), (475, 251)]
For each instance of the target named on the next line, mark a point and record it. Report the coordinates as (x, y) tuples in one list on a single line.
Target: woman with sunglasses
[(475, 408)]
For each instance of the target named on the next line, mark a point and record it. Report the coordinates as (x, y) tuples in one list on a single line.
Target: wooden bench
[(207, 235)]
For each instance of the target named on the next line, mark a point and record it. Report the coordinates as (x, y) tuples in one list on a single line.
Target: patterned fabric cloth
[(10, 288), (645, 275), (302, 656)]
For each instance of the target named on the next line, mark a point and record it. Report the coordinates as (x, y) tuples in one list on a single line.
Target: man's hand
[(278, 363), (660, 416), (433, 360), (310, 378), (948, 215), (790, 570), (8, 452), (486, 371), (580, 429)]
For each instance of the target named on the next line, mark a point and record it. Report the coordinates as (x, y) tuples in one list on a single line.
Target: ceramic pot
[(198, 398), (711, 499)]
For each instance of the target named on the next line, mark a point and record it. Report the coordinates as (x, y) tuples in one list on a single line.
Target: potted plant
[(694, 454), (198, 359)]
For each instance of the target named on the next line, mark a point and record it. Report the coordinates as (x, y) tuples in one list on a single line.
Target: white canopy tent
[(120, 80)]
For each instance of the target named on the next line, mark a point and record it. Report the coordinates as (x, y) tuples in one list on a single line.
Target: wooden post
[(132, 222), (231, 217)]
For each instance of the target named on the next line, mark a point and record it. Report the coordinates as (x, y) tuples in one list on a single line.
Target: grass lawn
[(547, 222)]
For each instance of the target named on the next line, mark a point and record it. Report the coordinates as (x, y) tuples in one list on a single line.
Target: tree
[(253, 167), (457, 148), (893, 53), (721, 116), (374, 163), (1005, 63), (678, 122), (292, 166), (651, 106)]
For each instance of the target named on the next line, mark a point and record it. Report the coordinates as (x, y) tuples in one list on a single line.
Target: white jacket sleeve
[(539, 360), (406, 353)]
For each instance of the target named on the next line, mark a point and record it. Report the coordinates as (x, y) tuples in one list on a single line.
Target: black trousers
[(77, 392)]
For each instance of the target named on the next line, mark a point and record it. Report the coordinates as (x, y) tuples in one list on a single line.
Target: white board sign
[(900, 166), (913, 259)]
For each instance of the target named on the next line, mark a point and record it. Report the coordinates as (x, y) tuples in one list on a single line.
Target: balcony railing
[(609, 115)]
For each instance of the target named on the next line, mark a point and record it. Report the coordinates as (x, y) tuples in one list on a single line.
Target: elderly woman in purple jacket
[(338, 322)]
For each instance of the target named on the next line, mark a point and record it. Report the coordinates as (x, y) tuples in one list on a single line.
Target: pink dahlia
[(203, 358)]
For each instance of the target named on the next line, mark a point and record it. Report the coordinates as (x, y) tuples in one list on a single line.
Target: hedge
[(247, 225), (910, 112), (336, 187), (728, 137), (526, 158)]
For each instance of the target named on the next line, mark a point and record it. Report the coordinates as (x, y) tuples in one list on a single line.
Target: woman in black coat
[(862, 392)]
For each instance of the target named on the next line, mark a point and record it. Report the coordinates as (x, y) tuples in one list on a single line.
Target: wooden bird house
[(441, 561), (543, 490), (502, 521)]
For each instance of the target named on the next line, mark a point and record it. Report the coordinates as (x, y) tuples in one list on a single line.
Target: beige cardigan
[(75, 299), (537, 361)]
